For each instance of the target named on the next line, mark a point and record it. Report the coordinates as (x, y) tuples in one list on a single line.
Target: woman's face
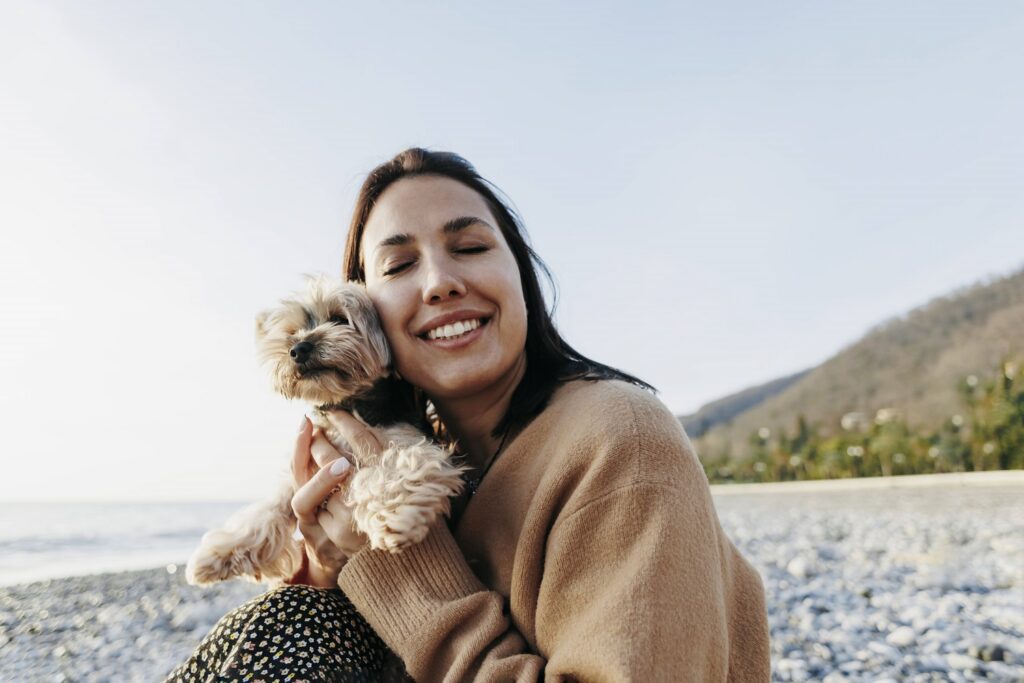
[(446, 286)]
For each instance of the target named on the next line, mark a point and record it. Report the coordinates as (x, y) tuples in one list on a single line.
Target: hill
[(910, 364), (725, 409)]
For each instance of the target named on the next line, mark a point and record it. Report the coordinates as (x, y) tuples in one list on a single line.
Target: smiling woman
[(586, 546), (435, 258)]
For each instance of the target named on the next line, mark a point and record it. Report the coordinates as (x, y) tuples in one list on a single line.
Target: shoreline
[(174, 560), (989, 478)]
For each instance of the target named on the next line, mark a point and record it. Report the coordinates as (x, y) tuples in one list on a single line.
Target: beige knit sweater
[(591, 552)]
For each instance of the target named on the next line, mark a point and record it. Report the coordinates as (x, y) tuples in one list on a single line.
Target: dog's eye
[(338, 320)]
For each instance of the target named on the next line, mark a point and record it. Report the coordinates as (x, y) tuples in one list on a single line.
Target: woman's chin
[(466, 380), (459, 383), (456, 388)]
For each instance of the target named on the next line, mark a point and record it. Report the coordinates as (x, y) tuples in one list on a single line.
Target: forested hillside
[(911, 368)]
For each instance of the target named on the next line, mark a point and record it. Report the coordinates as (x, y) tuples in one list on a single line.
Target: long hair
[(550, 361)]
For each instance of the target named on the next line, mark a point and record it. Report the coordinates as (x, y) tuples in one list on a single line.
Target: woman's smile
[(455, 335)]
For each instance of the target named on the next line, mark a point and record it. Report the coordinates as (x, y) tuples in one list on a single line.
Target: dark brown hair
[(549, 359)]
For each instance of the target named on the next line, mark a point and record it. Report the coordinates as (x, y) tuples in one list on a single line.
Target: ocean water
[(51, 540)]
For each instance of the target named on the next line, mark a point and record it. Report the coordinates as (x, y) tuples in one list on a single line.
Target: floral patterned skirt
[(292, 633)]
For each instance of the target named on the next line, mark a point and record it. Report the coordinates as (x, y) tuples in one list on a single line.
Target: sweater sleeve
[(433, 612)]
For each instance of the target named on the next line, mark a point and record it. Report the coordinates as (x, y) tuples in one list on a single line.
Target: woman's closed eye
[(396, 269), (399, 267)]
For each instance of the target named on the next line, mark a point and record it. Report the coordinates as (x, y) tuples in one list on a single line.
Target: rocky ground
[(130, 626), (916, 585), (893, 585)]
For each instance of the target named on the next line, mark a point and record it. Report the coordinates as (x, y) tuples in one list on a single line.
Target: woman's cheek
[(391, 323), (400, 345)]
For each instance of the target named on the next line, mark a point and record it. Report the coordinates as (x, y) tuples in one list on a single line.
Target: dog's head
[(324, 344)]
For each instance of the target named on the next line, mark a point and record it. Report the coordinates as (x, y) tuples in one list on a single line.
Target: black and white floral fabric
[(291, 634)]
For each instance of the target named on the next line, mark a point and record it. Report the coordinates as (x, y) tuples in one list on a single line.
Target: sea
[(52, 540)]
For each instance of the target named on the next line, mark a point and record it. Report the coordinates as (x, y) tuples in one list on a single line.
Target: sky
[(725, 193)]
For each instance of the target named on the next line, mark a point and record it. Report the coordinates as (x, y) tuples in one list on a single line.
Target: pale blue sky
[(724, 194)]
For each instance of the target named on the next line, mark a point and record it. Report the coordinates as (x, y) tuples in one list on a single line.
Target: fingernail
[(340, 466), (302, 425)]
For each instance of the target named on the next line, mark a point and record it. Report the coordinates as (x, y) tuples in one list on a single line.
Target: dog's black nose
[(301, 351)]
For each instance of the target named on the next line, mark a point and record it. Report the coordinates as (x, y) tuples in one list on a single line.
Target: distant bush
[(987, 434)]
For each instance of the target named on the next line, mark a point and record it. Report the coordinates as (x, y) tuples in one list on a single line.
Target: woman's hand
[(320, 472), (363, 438)]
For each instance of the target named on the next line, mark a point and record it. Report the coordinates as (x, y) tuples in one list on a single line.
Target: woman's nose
[(441, 283)]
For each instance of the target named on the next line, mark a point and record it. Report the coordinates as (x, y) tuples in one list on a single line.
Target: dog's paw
[(225, 554), (395, 512), (398, 499), (396, 529), (207, 568)]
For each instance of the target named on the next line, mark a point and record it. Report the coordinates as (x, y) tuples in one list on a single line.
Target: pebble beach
[(917, 583), (864, 583)]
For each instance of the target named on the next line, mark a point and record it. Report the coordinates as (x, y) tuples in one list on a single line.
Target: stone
[(799, 567), (789, 664), (882, 650), (961, 662), (993, 653), (852, 666), (903, 636)]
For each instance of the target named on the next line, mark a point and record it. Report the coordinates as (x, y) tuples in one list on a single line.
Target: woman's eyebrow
[(396, 240), (461, 223), (450, 227)]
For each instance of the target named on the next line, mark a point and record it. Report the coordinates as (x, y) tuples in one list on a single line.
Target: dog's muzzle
[(301, 352)]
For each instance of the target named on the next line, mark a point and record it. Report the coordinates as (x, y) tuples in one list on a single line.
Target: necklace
[(460, 502), (473, 483)]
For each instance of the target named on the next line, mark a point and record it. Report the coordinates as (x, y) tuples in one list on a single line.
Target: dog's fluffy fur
[(326, 346)]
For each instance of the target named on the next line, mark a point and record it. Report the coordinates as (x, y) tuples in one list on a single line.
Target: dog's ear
[(261, 324), (379, 342), (364, 316)]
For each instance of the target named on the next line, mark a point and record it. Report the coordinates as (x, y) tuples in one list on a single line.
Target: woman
[(587, 546)]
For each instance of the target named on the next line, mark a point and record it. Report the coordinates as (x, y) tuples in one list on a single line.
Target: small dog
[(326, 346)]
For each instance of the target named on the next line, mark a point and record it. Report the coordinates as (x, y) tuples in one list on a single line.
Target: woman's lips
[(458, 342)]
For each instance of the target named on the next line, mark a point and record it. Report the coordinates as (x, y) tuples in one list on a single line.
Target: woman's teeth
[(453, 330)]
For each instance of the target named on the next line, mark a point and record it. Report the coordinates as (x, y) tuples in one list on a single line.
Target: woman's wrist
[(321, 576), (312, 573), (300, 575)]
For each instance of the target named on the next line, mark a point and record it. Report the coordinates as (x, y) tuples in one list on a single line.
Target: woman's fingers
[(308, 498), (322, 450), (324, 519), (363, 439), (311, 442), (320, 471), (302, 469)]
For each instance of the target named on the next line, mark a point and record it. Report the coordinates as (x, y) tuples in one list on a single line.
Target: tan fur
[(395, 495)]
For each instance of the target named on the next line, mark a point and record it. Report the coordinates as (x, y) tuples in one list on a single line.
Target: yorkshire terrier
[(326, 347)]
